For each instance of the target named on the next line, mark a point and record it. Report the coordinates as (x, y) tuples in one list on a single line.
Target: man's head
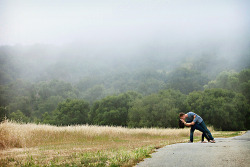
[(182, 115)]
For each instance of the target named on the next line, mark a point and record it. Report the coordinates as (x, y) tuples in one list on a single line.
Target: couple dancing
[(196, 122)]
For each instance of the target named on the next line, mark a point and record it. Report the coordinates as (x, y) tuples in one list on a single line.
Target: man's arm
[(187, 124), (192, 123), (195, 119)]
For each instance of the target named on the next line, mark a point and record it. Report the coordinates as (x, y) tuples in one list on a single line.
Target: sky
[(124, 23)]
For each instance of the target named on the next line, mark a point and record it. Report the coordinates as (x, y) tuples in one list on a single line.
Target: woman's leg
[(204, 134), (203, 125)]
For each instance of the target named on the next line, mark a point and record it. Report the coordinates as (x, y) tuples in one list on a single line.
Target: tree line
[(221, 108), (223, 104)]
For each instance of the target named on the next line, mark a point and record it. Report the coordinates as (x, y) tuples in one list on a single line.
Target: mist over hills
[(71, 64), (70, 41)]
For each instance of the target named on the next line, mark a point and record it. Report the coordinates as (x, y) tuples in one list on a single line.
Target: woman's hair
[(181, 124)]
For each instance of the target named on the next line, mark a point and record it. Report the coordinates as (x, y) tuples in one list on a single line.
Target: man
[(191, 120), (193, 128)]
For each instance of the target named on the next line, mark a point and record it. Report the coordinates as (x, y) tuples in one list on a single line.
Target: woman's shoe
[(212, 141), (203, 142)]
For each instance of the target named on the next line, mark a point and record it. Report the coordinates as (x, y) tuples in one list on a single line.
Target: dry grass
[(14, 135), (86, 145)]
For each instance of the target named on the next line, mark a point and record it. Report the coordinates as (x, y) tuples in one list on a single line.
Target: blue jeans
[(203, 125), (200, 128)]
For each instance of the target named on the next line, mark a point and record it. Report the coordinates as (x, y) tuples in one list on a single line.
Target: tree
[(113, 110), (21, 103), (47, 119), (238, 82), (221, 108), (186, 80), (72, 112), (150, 86), (157, 110), (56, 88), (3, 113), (94, 93), (49, 104), (244, 78), (18, 116), (225, 80)]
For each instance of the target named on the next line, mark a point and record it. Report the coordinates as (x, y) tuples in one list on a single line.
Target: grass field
[(45, 145)]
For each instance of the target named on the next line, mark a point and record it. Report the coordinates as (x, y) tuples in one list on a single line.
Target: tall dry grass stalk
[(29, 135)]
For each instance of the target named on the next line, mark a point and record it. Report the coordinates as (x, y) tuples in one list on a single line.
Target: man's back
[(191, 118)]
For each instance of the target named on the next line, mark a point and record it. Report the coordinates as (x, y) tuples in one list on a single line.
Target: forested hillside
[(62, 86)]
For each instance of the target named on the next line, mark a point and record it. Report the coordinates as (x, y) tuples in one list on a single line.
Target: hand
[(183, 121)]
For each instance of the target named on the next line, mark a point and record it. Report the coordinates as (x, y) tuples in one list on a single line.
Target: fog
[(118, 31), (123, 56), (125, 22)]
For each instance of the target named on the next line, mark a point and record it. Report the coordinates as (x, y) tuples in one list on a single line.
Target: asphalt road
[(226, 152)]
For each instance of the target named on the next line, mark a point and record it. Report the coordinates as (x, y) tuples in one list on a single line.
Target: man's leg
[(192, 133), (203, 125), (204, 134)]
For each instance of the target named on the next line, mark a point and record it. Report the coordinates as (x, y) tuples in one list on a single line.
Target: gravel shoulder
[(230, 152)]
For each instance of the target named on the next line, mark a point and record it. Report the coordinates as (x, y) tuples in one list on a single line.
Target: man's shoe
[(203, 142), (190, 141)]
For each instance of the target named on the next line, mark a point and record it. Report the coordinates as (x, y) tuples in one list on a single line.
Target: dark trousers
[(203, 125), (200, 128)]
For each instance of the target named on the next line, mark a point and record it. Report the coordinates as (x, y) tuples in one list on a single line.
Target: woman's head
[(181, 124)]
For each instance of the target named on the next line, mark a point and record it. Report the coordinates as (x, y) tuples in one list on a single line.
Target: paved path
[(228, 152)]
